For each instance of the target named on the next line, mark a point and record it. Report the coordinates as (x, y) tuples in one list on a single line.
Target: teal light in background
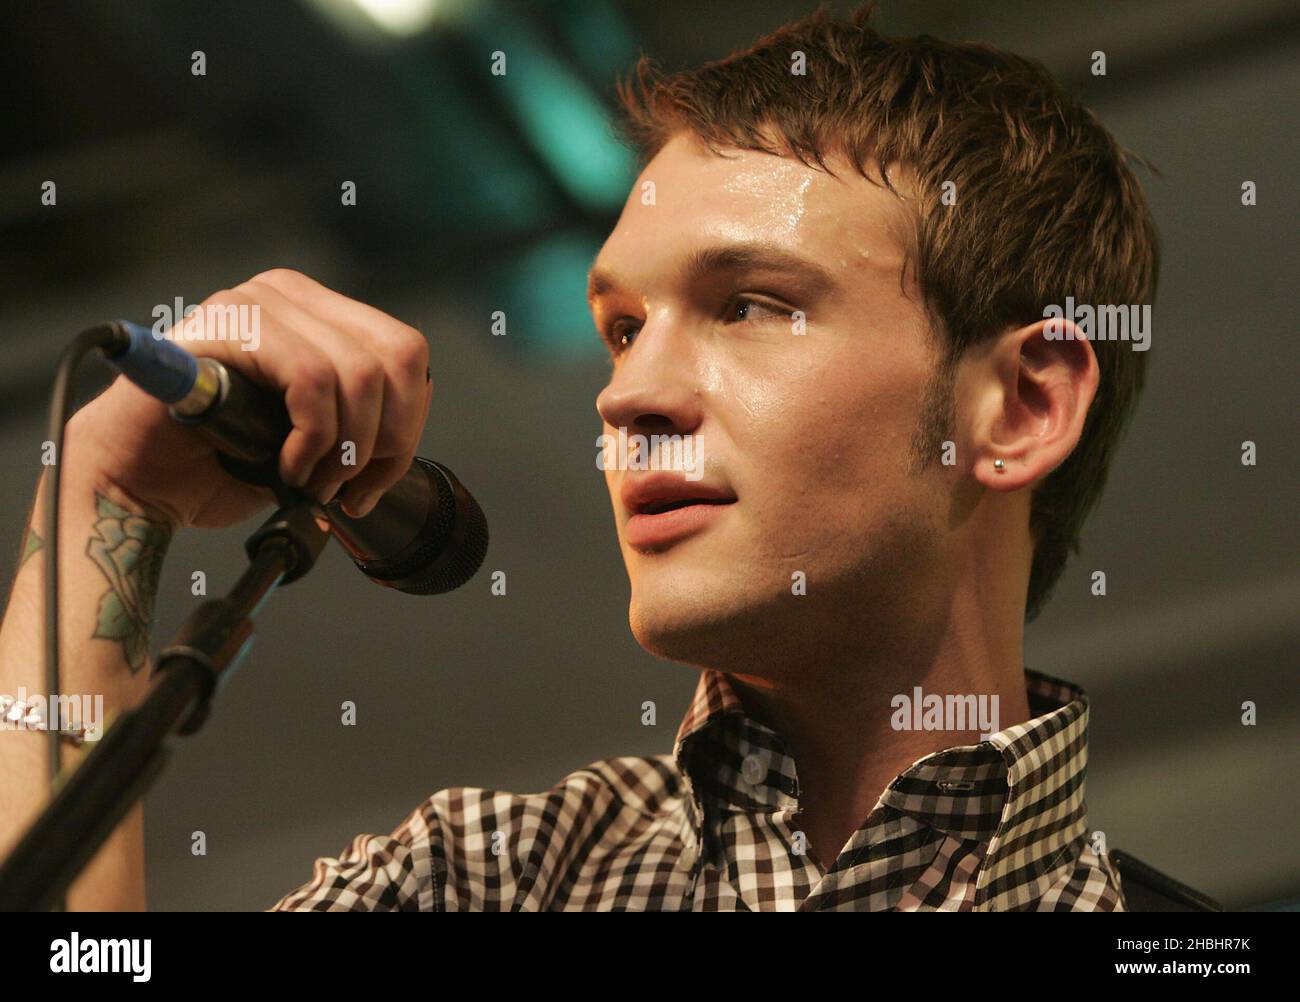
[(561, 118), (481, 173), (596, 36), (543, 292), (468, 169)]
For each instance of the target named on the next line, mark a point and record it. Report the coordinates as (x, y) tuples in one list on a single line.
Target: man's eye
[(746, 308), (621, 334)]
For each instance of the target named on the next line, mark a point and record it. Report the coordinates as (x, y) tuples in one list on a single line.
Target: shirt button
[(753, 768)]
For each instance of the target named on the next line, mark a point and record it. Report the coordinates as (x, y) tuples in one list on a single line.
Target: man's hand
[(348, 374)]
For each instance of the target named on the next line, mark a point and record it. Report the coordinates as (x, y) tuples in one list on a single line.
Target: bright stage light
[(391, 18)]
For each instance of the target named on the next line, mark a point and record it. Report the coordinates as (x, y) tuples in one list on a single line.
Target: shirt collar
[(1020, 792)]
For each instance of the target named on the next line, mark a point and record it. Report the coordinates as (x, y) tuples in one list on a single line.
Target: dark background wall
[(478, 193)]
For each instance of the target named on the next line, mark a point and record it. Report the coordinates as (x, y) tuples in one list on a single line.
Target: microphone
[(425, 536)]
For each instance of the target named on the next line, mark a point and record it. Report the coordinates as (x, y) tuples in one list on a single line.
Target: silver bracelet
[(16, 714)]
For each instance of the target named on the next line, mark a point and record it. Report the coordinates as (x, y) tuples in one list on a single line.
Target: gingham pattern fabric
[(998, 826)]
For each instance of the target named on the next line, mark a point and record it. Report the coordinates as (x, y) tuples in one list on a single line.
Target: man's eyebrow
[(810, 276)]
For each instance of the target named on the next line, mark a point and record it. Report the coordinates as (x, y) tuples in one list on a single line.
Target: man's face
[(805, 418)]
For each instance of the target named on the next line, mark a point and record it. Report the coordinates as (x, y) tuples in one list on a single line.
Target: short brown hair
[(1046, 204)]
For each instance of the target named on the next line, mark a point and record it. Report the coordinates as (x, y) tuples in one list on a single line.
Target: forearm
[(111, 551)]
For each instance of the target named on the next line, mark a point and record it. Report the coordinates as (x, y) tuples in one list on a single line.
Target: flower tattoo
[(129, 551)]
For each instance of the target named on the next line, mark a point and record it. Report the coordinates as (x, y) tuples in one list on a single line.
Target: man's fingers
[(364, 491), (402, 350), (359, 388), (311, 402), (356, 383), (360, 398), (406, 389), (325, 302)]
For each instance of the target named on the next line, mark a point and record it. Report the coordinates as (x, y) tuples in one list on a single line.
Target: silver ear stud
[(1000, 466)]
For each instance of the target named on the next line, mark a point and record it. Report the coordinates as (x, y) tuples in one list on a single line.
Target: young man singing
[(834, 275)]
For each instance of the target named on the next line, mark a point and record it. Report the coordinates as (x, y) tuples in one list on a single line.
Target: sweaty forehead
[(689, 197)]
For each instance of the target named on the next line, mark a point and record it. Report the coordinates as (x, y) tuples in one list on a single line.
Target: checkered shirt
[(997, 826)]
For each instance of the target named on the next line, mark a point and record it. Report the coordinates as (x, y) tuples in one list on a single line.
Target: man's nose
[(654, 387)]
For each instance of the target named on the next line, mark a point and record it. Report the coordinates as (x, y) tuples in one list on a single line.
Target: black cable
[(102, 336)]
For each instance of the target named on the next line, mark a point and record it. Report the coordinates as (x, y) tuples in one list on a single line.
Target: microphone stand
[(95, 797)]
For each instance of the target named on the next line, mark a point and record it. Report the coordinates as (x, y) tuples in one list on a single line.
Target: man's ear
[(1030, 395)]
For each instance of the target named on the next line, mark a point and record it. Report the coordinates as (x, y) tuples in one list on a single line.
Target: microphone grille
[(465, 545), (430, 537)]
